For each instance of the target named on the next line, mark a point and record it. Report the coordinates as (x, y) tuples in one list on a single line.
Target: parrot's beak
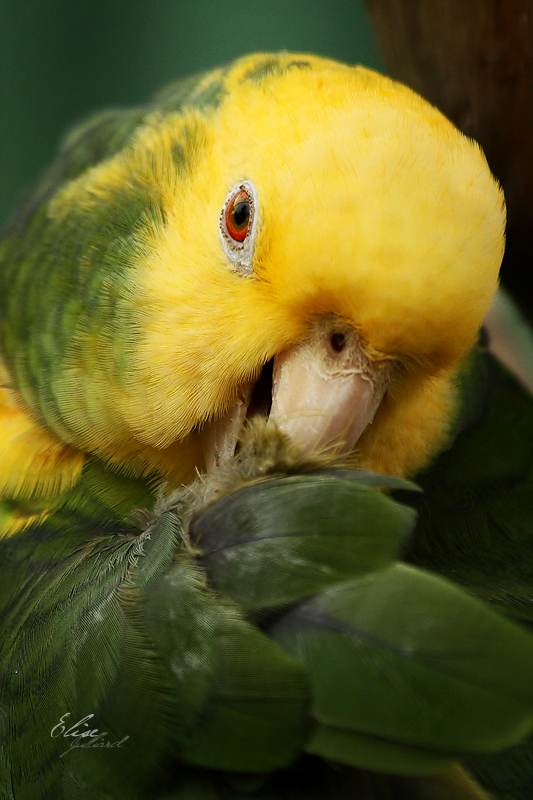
[(326, 390), (323, 394)]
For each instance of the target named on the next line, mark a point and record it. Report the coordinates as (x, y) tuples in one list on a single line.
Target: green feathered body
[(185, 653)]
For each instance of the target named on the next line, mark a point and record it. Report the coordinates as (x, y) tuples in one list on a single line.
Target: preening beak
[(326, 390), (324, 393)]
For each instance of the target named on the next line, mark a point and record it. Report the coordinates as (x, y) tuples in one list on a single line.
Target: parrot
[(266, 495)]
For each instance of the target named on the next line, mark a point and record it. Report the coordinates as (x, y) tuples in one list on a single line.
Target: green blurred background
[(60, 59)]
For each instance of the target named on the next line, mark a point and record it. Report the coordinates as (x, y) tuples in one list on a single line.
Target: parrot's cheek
[(322, 392)]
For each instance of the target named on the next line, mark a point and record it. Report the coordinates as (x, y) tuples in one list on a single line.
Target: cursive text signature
[(82, 738)]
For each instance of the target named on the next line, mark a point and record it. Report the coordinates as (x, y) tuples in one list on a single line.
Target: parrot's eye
[(238, 225), (238, 216)]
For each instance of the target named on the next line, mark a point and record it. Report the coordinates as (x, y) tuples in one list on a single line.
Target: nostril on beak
[(338, 342)]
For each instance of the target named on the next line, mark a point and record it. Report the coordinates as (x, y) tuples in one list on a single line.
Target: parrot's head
[(297, 238)]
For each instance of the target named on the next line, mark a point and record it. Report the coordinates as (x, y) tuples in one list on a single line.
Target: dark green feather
[(282, 540), (403, 656), (386, 668), (475, 523)]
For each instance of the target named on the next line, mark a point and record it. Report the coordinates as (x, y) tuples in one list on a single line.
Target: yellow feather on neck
[(411, 426), (35, 464)]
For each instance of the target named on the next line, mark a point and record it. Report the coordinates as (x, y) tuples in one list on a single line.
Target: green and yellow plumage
[(123, 236), (127, 336)]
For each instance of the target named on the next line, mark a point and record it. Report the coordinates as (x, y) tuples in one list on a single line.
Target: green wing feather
[(278, 542), (476, 511), (475, 523), (189, 662)]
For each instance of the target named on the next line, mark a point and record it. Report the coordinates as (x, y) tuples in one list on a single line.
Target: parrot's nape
[(234, 323)]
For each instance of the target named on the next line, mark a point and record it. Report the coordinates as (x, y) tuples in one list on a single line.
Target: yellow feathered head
[(288, 236)]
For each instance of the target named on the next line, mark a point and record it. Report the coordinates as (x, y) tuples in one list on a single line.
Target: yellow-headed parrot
[(235, 324)]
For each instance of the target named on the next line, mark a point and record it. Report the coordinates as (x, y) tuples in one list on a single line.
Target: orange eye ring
[(238, 215)]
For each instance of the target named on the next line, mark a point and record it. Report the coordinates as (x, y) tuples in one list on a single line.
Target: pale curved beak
[(325, 391)]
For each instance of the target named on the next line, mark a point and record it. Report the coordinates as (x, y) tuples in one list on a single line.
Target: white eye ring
[(240, 253)]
